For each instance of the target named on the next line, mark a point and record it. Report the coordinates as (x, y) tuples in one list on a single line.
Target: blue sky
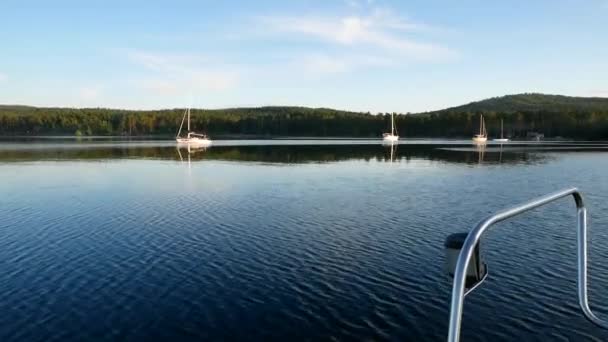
[(364, 55)]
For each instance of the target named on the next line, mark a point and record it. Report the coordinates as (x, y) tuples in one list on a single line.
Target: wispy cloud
[(382, 29), (366, 36), (297, 48), (175, 73)]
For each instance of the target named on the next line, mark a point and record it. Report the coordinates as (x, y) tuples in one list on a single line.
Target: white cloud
[(3, 77), (380, 30), (377, 39), (181, 73)]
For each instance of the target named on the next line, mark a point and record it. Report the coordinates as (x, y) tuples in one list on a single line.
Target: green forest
[(551, 115)]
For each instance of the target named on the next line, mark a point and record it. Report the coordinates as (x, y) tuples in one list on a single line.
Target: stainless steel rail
[(474, 236)]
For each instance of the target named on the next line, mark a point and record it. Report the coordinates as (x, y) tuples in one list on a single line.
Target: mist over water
[(292, 240)]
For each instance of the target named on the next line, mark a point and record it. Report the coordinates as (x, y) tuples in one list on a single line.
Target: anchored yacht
[(502, 134), (192, 138), (392, 136), (482, 137)]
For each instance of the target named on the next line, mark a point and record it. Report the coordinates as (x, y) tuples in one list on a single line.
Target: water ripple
[(344, 251)]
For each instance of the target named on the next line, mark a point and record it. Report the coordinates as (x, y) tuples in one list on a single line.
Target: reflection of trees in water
[(488, 155), (283, 154)]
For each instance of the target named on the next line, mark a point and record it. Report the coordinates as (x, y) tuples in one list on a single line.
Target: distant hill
[(533, 102), (5, 107), (552, 115)]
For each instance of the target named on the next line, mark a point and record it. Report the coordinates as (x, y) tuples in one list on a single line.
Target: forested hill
[(260, 121), (534, 103), (553, 115)]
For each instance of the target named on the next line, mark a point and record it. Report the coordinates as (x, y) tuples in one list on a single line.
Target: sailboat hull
[(480, 139), (501, 140), (193, 141), (390, 138)]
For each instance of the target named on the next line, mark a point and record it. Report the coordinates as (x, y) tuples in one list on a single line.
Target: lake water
[(291, 240)]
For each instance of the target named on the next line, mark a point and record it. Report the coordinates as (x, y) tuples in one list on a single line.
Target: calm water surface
[(290, 240)]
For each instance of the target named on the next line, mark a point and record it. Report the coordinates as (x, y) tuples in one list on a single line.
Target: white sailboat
[(392, 136), (191, 138), (502, 136), (482, 137)]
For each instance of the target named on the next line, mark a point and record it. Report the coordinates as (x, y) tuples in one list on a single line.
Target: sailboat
[(191, 138), (392, 136), (482, 137), (502, 136)]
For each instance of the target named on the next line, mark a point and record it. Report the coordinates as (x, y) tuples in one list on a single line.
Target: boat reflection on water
[(500, 155), (481, 151), (190, 149), (392, 145)]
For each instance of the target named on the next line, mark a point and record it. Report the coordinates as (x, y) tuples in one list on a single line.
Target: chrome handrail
[(474, 236)]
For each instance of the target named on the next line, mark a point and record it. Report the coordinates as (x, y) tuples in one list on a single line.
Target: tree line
[(568, 121)]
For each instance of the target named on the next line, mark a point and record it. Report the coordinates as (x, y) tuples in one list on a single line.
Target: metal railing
[(474, 237)]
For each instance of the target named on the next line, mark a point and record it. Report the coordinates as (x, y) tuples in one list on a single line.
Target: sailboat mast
[(188, 120), (393, 123), (485, 131), (501, 131), (180, 126)]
